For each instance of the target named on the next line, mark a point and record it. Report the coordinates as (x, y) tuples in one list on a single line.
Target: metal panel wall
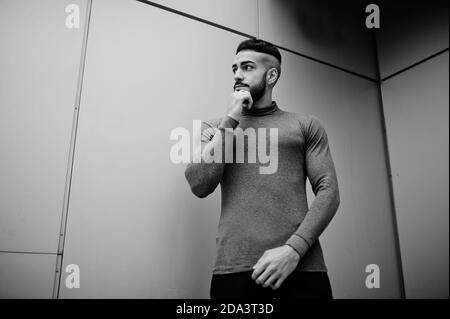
[(39, 63), (26, 275), (416, 110), (331, 31), (235, 14), (409, 32)]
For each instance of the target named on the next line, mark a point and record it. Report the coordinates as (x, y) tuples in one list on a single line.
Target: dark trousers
[(298, 285)]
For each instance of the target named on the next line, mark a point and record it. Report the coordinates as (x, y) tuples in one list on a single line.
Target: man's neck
[(263, 102)]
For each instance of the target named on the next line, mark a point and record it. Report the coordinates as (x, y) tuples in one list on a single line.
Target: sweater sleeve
[(321, 173), (204, 177)]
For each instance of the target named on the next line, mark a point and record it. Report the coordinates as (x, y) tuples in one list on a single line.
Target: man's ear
[(272, 76)]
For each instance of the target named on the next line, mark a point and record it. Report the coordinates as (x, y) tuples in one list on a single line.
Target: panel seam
[(415, 64), (65, 209), (389, 172)]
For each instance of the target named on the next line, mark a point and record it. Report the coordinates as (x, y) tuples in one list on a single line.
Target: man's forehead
[(249, 55)]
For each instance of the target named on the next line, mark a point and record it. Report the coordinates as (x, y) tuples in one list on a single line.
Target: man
[(267, 244)]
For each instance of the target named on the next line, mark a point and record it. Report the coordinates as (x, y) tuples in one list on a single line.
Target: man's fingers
[(260, 261), (278, 282), (260, 266), (258, 269), (271, 280), (263, 277)]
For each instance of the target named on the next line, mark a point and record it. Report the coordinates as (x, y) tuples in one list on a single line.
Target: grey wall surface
[(37, 96), (416, 109), (416, 115), (220, 12), (26, 275), (39, 62), (331, 31)]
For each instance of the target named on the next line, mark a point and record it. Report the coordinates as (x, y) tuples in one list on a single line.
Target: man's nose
[(238, 75)]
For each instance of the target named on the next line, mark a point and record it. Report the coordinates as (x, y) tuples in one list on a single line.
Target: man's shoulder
[(306, 120)]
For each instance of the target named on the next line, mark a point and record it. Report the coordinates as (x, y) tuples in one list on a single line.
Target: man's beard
[(257, 92)]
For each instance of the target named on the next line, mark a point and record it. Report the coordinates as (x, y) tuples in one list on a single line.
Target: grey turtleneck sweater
[(264, 211)]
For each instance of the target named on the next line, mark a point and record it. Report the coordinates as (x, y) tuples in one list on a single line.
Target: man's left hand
[(274, 266)]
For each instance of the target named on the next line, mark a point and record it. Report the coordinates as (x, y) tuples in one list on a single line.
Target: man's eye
[(247, 67)]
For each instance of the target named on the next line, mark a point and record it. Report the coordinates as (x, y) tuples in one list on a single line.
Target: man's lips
[(240, 86)]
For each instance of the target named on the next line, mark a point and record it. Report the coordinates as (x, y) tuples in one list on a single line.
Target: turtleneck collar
[(272, 108)]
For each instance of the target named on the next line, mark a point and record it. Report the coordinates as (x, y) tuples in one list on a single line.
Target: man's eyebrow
[(243, 62)]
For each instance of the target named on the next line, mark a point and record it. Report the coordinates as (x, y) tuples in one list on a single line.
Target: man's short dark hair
[(259, 46)]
